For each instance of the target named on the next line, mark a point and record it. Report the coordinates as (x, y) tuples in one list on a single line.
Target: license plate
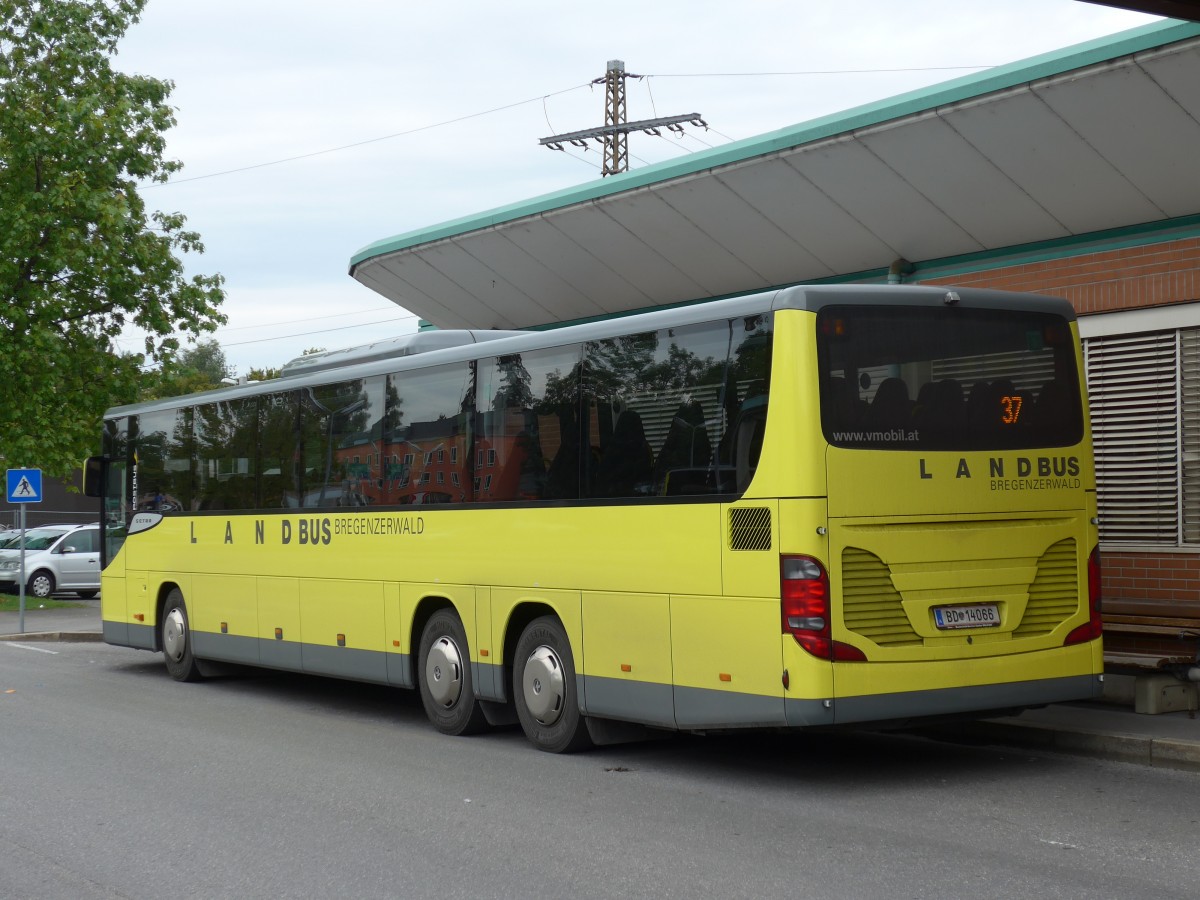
[(983, 615)]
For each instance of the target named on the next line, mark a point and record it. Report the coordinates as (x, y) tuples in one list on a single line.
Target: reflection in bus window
[(428, 410), (528, 431), (663, 408), (226, 454), (164, 454)]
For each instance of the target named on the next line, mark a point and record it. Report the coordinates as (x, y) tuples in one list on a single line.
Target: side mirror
[(68, 549), (93, 476)]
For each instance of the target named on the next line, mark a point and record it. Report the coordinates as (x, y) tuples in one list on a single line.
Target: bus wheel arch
[(174, 635), (545, 691), (445, 679)]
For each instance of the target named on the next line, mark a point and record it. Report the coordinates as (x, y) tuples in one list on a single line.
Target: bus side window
[(748, 438)]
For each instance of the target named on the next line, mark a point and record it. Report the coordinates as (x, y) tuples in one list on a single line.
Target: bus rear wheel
[(176, 638), (444, 666), (544, 689)]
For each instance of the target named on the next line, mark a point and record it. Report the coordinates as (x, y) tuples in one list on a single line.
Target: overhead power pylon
[(613, 136)]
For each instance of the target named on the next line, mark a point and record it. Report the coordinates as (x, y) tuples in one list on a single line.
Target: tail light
[(1094, 627), (804, 603)]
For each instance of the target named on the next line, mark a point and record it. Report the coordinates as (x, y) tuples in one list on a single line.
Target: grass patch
[(12, 603)]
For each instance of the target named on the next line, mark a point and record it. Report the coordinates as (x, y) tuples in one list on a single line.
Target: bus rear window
[(913, 378)]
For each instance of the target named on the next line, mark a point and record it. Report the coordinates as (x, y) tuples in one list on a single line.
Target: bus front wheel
[(544, 688), (444, 664), (176, 636)]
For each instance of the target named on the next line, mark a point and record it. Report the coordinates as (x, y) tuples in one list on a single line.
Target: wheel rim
[(175, 634), (543, 685), (444, 672), (40, 586)]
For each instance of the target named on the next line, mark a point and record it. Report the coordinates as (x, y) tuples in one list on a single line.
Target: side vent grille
[(871, 604), (1054, 593), (750, 528)]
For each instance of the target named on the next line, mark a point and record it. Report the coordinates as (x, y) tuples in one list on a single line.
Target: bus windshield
[(917, 378)]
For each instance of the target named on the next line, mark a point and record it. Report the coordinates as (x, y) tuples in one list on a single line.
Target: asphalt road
[(116, 781)]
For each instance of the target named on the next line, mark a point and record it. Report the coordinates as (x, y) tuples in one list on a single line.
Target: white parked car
[(57, 558)]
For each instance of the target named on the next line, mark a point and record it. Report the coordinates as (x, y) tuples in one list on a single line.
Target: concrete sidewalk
[(79, 622), (1171, 740)]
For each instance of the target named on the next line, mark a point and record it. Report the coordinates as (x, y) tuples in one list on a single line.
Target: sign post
[(24, 487)]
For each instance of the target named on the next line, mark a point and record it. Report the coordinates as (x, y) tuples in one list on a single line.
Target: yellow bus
[(813, 507)]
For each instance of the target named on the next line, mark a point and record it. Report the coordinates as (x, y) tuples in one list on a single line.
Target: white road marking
[(27, 647)]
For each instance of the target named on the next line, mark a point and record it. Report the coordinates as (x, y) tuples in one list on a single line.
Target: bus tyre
[(176, 636), (544, 688), (444, 666), (41, 584)]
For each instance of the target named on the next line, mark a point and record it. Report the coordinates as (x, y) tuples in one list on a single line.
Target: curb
[(69, 637), (1163, 752)]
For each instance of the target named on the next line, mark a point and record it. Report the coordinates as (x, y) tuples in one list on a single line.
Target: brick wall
[(1165, 580), (1129, 278)]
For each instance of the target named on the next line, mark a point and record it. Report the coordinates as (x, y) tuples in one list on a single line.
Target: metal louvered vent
[(750, 528), (1054, 593), (871, 605), (1133, 389), (1189, 368)]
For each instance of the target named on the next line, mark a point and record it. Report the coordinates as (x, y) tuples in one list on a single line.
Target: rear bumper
[(976, 699)]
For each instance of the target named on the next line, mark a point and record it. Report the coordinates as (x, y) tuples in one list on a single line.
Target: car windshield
[(37, 539)]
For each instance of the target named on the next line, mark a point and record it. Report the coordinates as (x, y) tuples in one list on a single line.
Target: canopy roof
[(1098, 136)]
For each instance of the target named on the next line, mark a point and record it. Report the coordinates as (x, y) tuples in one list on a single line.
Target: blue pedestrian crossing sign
[(24, 485)]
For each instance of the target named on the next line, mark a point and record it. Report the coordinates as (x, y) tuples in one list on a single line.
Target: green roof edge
[(1056, 62)]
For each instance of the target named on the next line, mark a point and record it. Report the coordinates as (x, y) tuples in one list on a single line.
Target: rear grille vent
[(750, 528), (870, 602), (1054, 593)]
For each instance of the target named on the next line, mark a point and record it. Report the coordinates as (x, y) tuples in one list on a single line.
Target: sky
[(309, 129)]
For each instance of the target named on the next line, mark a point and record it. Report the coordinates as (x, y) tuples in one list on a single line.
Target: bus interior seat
[(983, 408), (891, 407), (627, 460), (748, 432), (1053, 404), (844, 407), (562, 475), (686, 445), (940, 407)]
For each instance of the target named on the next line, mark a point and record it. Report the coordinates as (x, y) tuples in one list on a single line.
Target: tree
[(81, 257), (193, 369)]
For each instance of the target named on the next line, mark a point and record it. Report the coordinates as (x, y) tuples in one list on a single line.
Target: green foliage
[(265, 374), (81, 258), (193, 369)]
